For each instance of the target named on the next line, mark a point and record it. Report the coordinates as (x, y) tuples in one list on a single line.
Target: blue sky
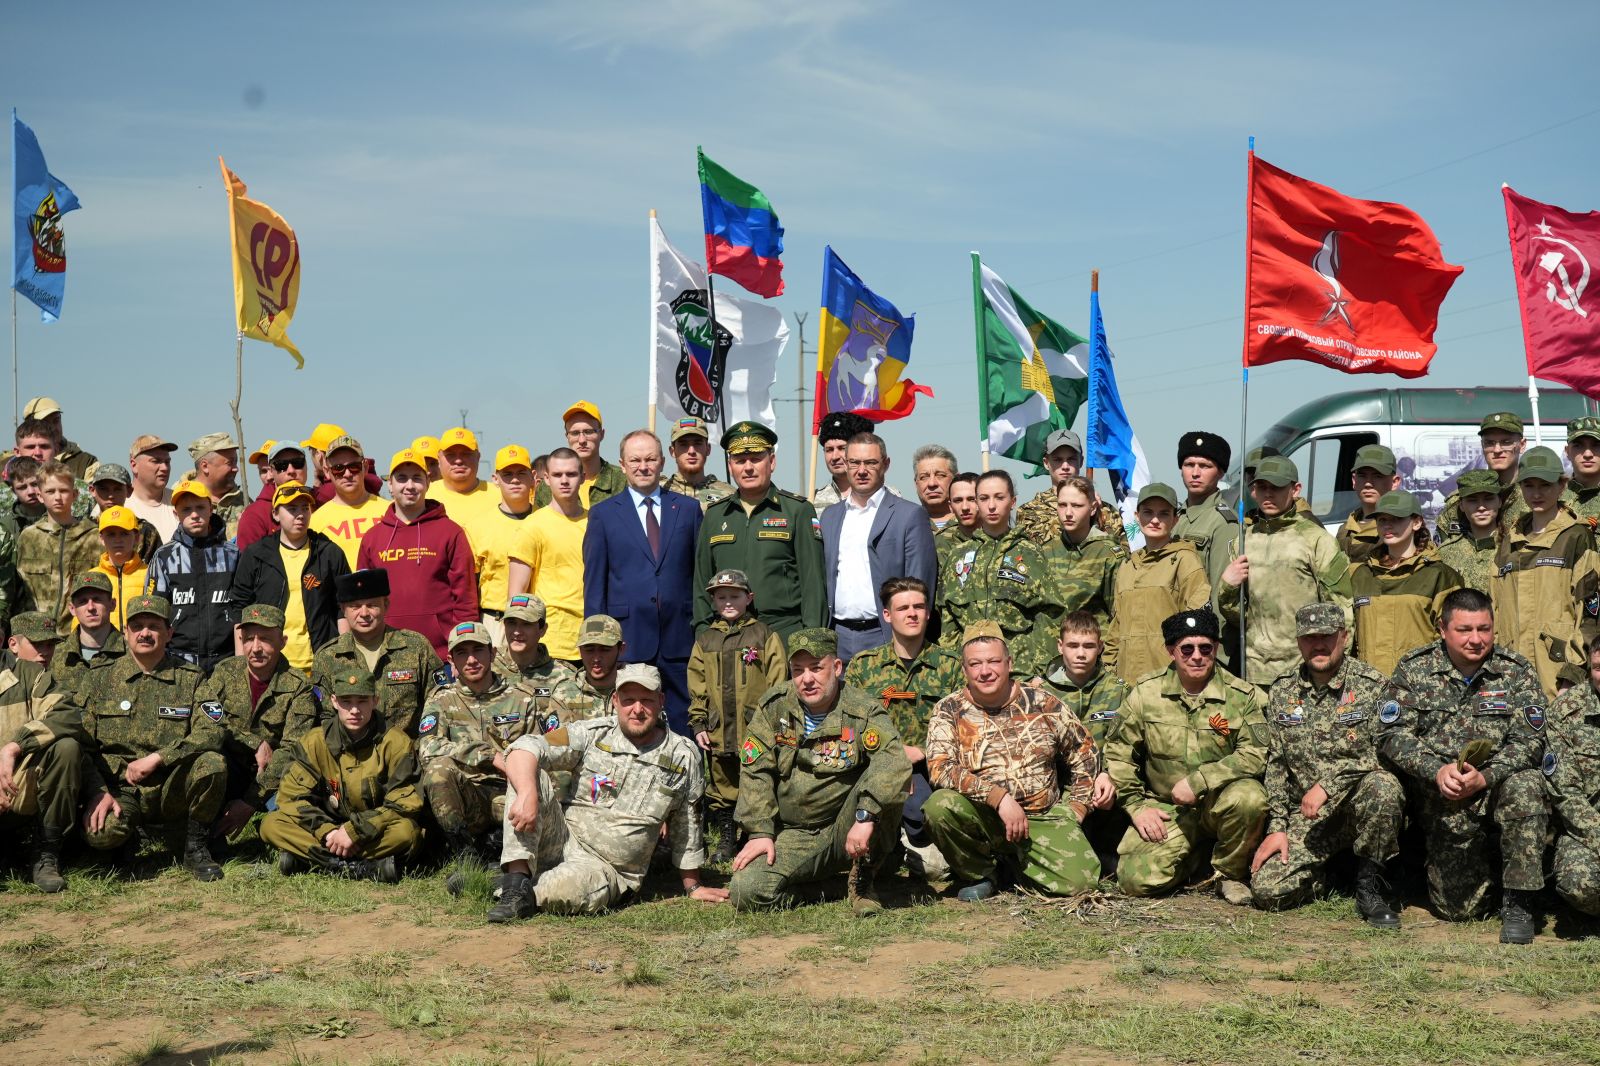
[(471, 182)]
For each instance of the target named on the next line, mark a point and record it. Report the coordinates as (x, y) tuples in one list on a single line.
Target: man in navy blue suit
[(638, 567), (868, 537)]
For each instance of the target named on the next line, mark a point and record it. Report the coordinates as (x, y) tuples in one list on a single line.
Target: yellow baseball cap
[(261, 454), (458, 437), (427, 447), (119, 518), (41, 407), (291, 490), (512, 455), (189, 487), (582, 407), (408, 456), (325, 434)]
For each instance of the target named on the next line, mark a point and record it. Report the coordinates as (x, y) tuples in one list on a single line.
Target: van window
[(1325, 464)]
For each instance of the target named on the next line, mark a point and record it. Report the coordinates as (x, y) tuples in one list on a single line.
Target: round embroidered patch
[(1389, 713), (427, 723), (1549, 764), (870, 740)]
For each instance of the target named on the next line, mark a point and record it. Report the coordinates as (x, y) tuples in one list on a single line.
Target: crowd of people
[(577, 669)]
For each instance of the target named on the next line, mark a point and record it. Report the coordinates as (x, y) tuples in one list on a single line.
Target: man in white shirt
[(150, 466)]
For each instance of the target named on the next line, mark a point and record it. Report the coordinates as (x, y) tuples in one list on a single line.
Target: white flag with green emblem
[(1033, 371)]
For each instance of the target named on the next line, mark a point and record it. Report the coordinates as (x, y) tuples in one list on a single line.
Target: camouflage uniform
[(1546, 594), (68, 666), (1429, 715), (1396, 606), (802, 790), (1213, 528), (828, 495), (230, 509), (49, 558), (1151, 585), (1326, 735), (1572, 778), (1006, 580), (407, 672), (1040, 521), (581, 699), (908, 693), (1293, 562), (366, 786), (9, 586), (460, 734), (731, 667), (1217, 741), (950, 539), (1472, 559), (1097, 703), (977, 758), (1512, 507), (599, 848), (82, 507), (288, 709), (27, 693), (539, 677), (1358, 537), (1083, 577), (708, 492), (1584, 501)]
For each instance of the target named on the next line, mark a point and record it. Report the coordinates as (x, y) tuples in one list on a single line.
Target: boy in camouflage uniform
[(1571, 769), (348, 804), (51, 553), (1460, 693), (999, 800), (1583, 452), (1093, 693), (690, 444), (94, 641), (734, 661), (1500, 435), (1063, 459), (523, 659), (1326, 791)]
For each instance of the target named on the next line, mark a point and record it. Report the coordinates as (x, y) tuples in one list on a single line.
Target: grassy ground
[(265, 969)]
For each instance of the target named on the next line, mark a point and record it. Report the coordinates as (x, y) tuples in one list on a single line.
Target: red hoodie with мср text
[(431, 582)]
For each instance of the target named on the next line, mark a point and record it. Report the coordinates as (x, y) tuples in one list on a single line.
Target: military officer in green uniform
[(523, 659), (262, 704), (40, 791), (349, 803), (769, 534), (1187, 761), (691, 447), (465, 730), (823, 778), (1003, 577), (403, 664), (1208, 521), (94, 639)]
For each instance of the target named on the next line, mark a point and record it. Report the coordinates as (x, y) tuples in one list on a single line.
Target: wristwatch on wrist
[(865, 816)]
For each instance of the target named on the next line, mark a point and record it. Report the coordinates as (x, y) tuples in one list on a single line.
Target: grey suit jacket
[(899, 545)]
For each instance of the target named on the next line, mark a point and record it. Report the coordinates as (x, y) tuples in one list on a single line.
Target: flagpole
[(15, 410), (238, 394), (1527, 351), (811, 480), (1244, 387), (650, 389), (983, 369)]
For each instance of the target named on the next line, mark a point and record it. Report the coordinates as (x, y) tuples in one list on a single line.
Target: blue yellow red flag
[(266, 267), (38, 200), (864, 346)]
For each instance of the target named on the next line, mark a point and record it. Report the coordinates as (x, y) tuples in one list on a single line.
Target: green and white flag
[(1033, 372)]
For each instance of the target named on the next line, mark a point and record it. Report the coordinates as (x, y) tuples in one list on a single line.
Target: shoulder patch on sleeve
[(1389, 713), (429, 721), (1549, 764), (751, 750)]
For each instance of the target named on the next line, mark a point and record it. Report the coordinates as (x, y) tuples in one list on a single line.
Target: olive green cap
[(1157, 490), (600, 629), (1398, 505), (985, 630), (354, 683), (1277, 470), (1258, 454), (155, 605), (262, 614), (1505, 420), (748, 436), (819, 642), (91, 579), (1472, 482), (1375, 457), (34, 626), (1540, 464)]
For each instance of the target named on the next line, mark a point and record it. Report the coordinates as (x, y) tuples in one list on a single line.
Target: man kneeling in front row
[(631, 777)]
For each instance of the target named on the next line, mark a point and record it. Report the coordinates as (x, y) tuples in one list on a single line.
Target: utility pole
[(799, 399)]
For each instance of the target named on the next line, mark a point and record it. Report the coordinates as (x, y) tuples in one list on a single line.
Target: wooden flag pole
[(238, 426), (811, 481)]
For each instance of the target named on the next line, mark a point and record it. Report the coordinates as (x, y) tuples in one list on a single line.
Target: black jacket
[(260, 579), (195, 575)]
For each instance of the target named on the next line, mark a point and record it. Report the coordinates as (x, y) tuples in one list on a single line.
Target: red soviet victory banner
[(1551, 254), (1351, 284)]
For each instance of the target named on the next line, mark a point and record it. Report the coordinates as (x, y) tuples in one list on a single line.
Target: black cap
[(1201, 623), (361, 585), (1206, 446), (842, 425)]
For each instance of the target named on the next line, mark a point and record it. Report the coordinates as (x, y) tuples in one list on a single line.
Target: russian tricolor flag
[(744, 239)]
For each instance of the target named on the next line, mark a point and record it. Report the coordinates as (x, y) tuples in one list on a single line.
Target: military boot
[(1372, 897), (196, 856), (1516, 917), (728, 832), (290, 864), (864, 901), (516, 899), (47, 861)]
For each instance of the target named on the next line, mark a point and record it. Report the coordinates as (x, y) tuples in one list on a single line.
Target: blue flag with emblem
[(38, 200), (1109, 444)]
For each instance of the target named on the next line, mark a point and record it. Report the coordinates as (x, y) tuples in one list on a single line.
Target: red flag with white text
[(1553, 253), (1352, 284)]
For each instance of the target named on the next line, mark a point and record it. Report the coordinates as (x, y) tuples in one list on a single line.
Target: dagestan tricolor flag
[(266, 267), (1351, 284)]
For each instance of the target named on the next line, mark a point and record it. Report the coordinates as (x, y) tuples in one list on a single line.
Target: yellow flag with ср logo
[(266, 267)]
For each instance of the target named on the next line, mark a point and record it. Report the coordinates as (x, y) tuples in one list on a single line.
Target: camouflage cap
[(346, 441), (639, 674), (211, 442), (1503, 420), (729, 579), (1157, 490), (149, 442), (155, 605), (1374, 457), (1318, 619), (1398, 504), (109, 472), (819, 642), (1540, 464), (90, 579), (525, 608), (262, 614), (34, 626), (748, 436), (985, 630), (1472, 482), (689, 427), (354, 683), (470, 633), (1063, 438), (1587, 426), (1277, 470), (600, 629)]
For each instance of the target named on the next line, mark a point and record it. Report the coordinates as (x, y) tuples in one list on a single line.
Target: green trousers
[(722, 781), (805, 856), (1055, 857), (191, 791), (400, 837), (1231, 817), (1367, 821), (57, 785)]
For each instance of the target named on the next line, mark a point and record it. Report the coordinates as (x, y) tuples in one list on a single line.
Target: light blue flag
[(38, 200), (1110, 443)]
